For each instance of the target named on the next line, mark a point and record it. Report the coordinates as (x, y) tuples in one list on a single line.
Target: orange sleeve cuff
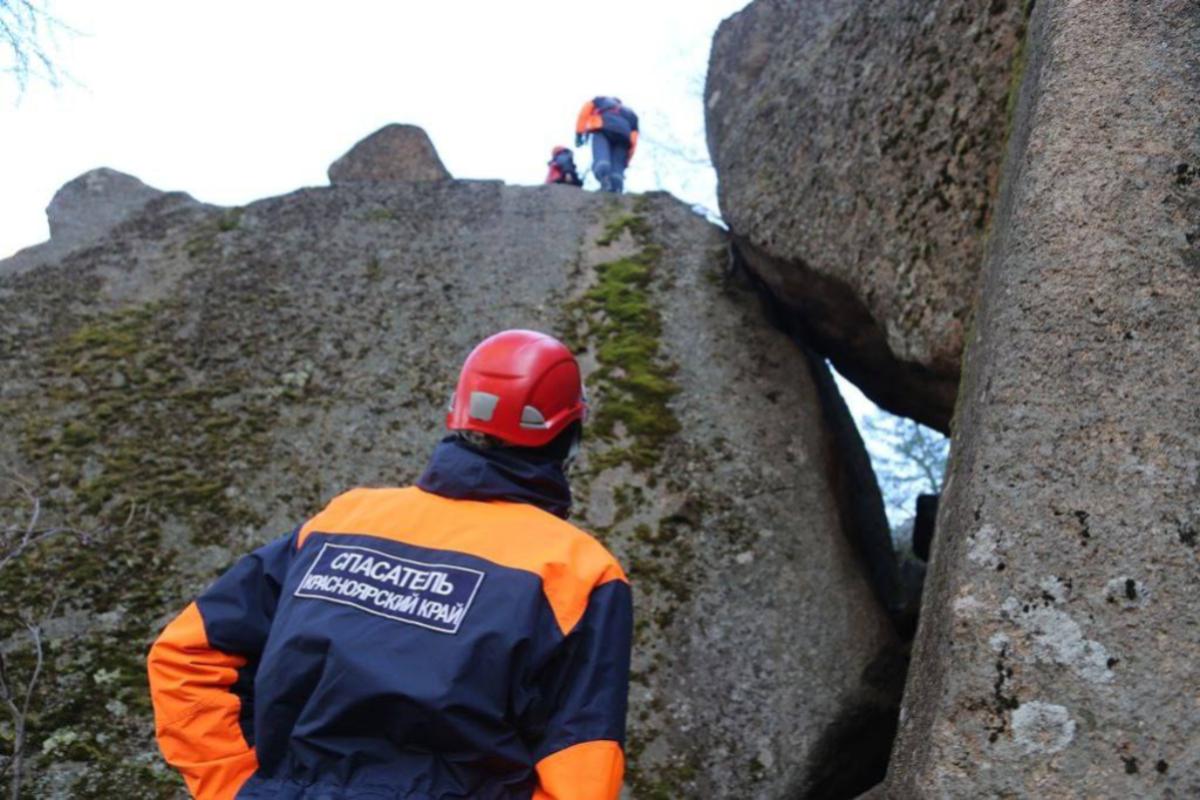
[(586, 771), (196, 714)]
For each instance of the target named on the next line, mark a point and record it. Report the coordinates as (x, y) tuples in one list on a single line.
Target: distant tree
[(683, 168), (27, 30), (674, 152), (909, 459)]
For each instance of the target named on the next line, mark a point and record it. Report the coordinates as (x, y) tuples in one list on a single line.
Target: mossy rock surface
[(200, 380), (858, 148)]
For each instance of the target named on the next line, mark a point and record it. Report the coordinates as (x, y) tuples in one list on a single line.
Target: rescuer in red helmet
[(456, 638)]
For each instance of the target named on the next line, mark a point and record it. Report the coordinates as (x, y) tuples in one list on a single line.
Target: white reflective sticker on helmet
[(483, 406), (532, 418)]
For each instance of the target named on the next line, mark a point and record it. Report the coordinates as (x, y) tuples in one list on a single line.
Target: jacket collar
[(461, 472)]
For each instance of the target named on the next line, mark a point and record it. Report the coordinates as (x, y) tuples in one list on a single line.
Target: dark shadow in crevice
[(832, 320), (852, 755), (856, 490)]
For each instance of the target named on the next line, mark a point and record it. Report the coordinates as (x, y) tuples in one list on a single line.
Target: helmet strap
[(573, 449)]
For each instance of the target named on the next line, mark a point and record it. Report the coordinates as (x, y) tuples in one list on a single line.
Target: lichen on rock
[(1074, 463), (858, 146), (210, 377)]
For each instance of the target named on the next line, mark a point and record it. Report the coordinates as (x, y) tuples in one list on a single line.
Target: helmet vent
[(532, 418), (483, 406)]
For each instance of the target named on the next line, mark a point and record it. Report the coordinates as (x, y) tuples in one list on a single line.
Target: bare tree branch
[(15, 540), (909, 459), (20, 712), (18, 698), (28, 32)]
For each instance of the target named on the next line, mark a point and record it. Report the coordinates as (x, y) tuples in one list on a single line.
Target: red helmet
[(523, 387)]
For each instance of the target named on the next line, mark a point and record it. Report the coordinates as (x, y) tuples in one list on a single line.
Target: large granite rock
[(1059, 653), (209, 377), (86, 209), (857, 144), (392, 153), (96, 202)]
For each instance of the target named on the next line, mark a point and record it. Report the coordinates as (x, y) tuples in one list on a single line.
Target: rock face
[(208, 378), (857, 145), (96, 202), (85, 209), (392, 153), (1058, 653)]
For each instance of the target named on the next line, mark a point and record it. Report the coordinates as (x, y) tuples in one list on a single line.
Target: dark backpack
[(619, 121)]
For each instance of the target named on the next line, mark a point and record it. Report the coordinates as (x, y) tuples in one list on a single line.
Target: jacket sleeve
[(580, 755), (201, 671), (585, 113), (633, 134)]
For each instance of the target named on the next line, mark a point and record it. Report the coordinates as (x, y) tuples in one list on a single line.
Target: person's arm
[(633, 134), (201, 671), (581, 122), (581, 754)]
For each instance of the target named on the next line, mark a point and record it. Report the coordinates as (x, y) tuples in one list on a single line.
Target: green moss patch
[(618, 320), (230, 220), (665, 781), (202, 244), (127, 426), (635, 223), (150, 437)]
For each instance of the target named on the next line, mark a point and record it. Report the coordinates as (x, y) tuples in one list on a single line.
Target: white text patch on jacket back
[(434, 596)]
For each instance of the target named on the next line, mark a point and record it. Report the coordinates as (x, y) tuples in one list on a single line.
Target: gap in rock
[(906, 459), (853, 754), (909, 460)]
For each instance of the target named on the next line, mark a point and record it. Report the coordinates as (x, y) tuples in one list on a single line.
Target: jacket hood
[(462, 472)]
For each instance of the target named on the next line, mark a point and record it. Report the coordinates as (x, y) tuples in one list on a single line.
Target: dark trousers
[(609, 158)]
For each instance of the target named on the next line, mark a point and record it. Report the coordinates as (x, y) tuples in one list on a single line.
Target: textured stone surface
[(392, 153), (857, 145), (1058, 653), (210, 377), (95, 202), (85, 209)]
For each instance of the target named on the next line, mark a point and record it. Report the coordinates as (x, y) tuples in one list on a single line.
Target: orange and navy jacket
[(606, 114), (403, 644)]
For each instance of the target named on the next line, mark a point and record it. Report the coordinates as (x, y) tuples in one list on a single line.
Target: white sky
[(232, 101)]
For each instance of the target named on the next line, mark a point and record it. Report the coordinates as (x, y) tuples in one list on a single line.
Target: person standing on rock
[(613, 129), (562, 167), (457, 638)]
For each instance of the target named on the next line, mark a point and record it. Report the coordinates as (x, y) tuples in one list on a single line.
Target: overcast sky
[(232, 101), (235, 101)]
